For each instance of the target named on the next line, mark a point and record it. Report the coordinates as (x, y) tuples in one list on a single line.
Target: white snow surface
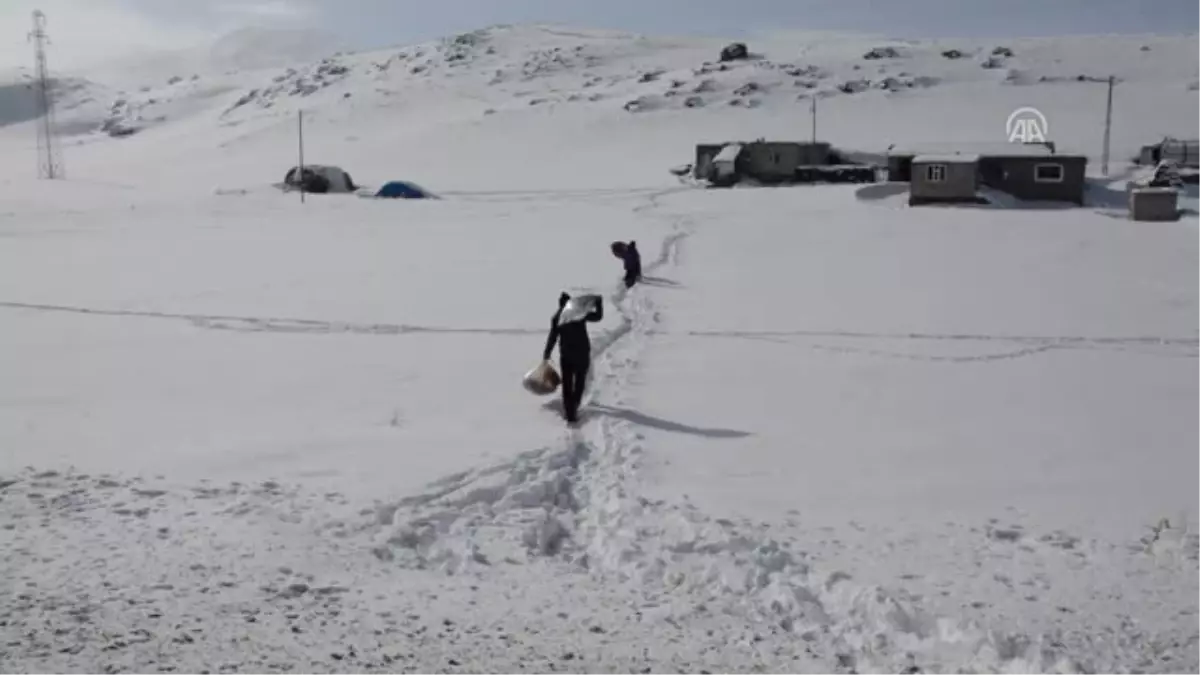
[(828, 432)]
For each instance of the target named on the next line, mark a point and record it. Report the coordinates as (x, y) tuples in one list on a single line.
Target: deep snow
[(828, 432)]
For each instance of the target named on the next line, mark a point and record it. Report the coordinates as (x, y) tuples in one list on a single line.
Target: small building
[(775, 162), (1028, 171), (1153, 204), (1054, 178), (764, 161), (899, 158), (944, 179)]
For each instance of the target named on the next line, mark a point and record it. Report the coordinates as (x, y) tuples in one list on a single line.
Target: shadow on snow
[(634, 417), (660, 282)]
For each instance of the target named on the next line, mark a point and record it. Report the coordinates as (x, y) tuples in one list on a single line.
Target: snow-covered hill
[(648, 98), (828, 432)]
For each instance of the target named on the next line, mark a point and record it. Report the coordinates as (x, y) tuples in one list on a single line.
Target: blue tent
[(399, 189)]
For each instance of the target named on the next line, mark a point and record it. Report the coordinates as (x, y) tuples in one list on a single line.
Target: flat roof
[(946, 159), (990, 149)]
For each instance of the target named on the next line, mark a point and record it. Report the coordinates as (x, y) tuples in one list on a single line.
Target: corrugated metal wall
[(1185, 153)]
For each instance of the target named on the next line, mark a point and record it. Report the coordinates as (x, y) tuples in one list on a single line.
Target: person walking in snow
[(633, 264), (568, 328)]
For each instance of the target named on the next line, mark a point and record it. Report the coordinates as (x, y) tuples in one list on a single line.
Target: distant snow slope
[(650, 98), (133, 93), (829, 432), (79, 104)]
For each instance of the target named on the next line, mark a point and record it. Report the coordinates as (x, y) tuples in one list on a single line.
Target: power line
[(50, 162)]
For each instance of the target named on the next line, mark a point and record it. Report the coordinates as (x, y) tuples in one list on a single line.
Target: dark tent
[(399, 189), (317, 178)]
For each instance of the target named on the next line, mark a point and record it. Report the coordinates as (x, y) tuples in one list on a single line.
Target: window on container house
[(1048, 173), (935, 173)]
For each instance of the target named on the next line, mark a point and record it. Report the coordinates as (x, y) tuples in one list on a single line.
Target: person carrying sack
[(569, 330), (633, 264)]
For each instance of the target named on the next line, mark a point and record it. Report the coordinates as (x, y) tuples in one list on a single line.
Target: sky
[(84, 31)]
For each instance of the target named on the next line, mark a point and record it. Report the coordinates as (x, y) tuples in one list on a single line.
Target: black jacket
[(633, 261), (574, 346)]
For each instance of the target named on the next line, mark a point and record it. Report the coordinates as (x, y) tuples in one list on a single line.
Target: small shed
[(761, 160), (1154, 204), (775, 161), (944, 179)]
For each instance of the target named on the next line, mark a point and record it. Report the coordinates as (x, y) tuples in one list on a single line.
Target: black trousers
[(574, 377)]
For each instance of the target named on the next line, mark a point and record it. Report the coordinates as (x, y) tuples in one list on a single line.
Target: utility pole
[(814, 119), (50, 164), (300, 138), (1107, 127)]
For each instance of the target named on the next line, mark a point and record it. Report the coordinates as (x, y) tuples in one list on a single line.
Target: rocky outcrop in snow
[(294, 83), (877, 53), (521, 68), (736, 51)]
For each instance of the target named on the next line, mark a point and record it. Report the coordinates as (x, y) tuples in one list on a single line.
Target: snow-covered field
[(829, 431)]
